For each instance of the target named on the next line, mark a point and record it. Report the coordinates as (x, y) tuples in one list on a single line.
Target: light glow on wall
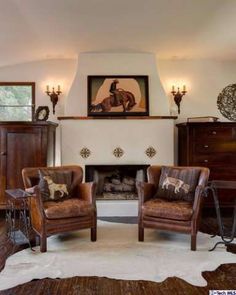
[(176, 82), (53, 82)]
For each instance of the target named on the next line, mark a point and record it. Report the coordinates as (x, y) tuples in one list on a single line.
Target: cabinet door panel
[(23, 144), (23, 149)]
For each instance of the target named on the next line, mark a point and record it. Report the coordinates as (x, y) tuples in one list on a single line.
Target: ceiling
[(42, 29)]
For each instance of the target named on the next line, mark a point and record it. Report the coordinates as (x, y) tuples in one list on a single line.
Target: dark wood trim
[(117, 118), (33, 99), (2, 83), (207, 124), (54, 148), (25, 123)]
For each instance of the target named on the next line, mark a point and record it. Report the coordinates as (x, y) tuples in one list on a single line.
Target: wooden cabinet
[(212, 145), (24, 144)]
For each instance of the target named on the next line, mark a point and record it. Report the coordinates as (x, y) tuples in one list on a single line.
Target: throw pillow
[(178, 184), (54, 185)]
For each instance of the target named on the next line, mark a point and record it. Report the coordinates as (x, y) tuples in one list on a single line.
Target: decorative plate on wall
[(226, 102), (42, 113)]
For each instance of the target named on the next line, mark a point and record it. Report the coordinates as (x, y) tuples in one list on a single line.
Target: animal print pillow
[(54, 185), (178, 184)]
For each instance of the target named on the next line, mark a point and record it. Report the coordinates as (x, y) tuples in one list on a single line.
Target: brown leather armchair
[(77, 212), (176, 215)]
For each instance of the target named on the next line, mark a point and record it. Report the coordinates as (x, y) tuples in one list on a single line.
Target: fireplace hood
[(116, 64)]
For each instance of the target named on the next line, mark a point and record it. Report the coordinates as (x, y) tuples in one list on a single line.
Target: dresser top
[(28, 123), (207, 124)]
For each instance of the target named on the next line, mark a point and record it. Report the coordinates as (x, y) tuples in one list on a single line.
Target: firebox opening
[(116, 182)]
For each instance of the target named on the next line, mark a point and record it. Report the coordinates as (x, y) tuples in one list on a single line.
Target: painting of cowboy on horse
[(123, 95), (118, 97)]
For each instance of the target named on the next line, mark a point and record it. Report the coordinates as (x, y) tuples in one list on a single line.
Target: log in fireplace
[(116, 182)]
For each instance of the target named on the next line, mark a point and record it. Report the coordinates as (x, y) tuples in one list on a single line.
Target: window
[(17, 101)]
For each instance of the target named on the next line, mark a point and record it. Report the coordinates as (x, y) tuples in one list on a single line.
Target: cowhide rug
[(117, 254)]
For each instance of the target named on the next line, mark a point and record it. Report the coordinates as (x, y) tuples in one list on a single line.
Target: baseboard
[(117, 208)]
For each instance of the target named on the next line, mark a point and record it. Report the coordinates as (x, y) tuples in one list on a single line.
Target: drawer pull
[(3, 153), (206, 161), (206, 146), (214, 132)]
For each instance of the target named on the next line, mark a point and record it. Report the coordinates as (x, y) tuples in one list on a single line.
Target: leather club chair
[(171, 215), (77, 212)]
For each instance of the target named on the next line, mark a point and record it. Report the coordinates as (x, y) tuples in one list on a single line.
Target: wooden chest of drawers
[(212, 145)]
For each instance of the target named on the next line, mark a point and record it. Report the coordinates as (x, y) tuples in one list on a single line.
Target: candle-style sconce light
[(53, 96), (178, 96)]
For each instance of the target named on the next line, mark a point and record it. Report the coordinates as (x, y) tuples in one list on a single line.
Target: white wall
[(103, 136), (48, 72), (116, 64), (204, 80), (52, 72)]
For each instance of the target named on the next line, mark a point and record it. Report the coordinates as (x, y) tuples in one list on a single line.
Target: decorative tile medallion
[(85, 153), (118, 152), (150, 152)]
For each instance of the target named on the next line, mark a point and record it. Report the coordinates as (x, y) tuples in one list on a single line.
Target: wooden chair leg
[(94, 234), (140, 234), (193, 242), (43, 243)]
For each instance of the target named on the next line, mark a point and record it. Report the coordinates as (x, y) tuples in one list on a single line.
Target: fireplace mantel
[(118, 118)]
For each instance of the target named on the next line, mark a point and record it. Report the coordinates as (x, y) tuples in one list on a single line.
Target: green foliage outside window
[(16, 102)]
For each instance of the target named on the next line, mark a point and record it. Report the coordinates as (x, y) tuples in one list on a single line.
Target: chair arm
[(197, 200), (87, 192), (36, 210), (145, 191)]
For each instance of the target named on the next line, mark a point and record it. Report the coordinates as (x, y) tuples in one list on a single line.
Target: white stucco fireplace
[(102, 136)]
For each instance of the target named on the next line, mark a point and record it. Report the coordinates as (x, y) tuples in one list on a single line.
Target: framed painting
[(112, 96)]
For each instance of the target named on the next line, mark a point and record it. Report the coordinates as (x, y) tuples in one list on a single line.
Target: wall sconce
[(54, 96), (178, 96)]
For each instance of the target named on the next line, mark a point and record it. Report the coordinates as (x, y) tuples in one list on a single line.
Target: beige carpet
[(117, 254)]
